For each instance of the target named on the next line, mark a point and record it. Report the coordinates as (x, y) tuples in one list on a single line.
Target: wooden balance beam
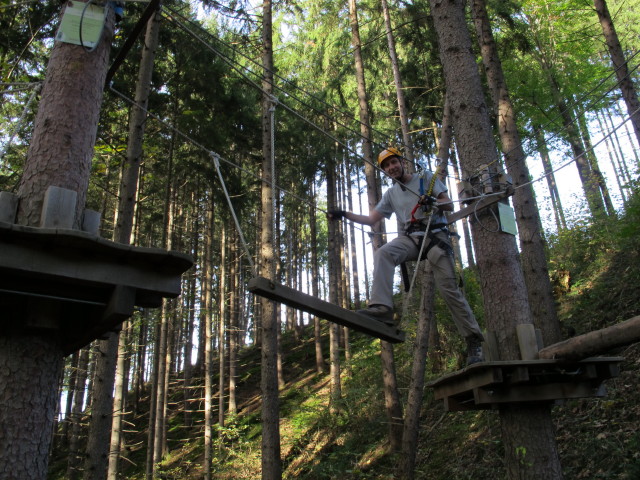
[(310, 304)]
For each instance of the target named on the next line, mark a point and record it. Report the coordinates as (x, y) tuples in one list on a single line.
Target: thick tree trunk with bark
[(532, 242), (59, 154), (497, 254), (30, 369)]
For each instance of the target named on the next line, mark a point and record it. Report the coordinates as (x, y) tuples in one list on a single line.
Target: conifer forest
[(178, 276)]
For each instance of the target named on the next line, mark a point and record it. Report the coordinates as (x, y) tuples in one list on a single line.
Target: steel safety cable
[(216, 163), (233, 65), (354, 131)]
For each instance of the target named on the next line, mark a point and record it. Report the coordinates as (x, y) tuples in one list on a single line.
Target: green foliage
[(595, 268)]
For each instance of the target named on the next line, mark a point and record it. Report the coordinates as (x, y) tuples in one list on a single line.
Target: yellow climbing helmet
[(389, 152)]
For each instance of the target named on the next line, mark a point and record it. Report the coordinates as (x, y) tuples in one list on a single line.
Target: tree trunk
[(27, 413), (222, 315), (620, 65), (392, 398), (598, 178), (75, 459), (334, 265), (119, 403), (234, 321), (525, 428), (596, 342), (206, 325), (59, 154), (410, 433), (271, 462), (613, 159), (589, 185), (317, 333), (402, 106), (532, 242), (556, 203)]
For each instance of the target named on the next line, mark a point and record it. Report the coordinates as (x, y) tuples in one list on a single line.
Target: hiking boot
[(381, 313), (474, 350)]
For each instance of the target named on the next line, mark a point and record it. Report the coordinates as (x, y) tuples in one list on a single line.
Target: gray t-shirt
[(401, 200)]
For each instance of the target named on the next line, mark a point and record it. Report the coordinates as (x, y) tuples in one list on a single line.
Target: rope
[(405, 303), (216, 162)]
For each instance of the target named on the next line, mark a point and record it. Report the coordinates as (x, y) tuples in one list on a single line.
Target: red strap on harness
[(413, 213)]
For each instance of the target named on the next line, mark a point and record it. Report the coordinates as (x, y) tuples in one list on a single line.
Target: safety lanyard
[(431, 185)]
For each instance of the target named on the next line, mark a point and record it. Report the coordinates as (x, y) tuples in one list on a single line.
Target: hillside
[(597, 438)]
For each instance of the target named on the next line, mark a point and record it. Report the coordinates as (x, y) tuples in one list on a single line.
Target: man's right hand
[(336, 214)]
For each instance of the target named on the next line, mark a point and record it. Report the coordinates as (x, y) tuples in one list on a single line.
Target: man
[(408, 191)]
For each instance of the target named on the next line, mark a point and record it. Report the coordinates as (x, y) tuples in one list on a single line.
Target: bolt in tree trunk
[(526, 428)]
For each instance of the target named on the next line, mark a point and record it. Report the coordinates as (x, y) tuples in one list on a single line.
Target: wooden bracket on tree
[(302, 301)]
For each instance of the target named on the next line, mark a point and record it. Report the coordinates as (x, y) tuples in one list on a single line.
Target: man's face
[(393, 167)]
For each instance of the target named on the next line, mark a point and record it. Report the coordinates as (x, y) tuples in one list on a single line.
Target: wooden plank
[(464, 383), (302, 301), (484, 202), (538, 393), (527, 341), (58, 208), (131, 39)]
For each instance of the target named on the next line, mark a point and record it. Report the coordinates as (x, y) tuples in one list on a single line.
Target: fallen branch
[(592, 343)]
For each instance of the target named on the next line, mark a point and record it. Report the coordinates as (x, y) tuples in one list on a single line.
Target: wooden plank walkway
[(302, 301)]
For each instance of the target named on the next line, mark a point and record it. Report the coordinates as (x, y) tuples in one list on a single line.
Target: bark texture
[(29, 372), (619, 64), (502, 281), (532, 243)]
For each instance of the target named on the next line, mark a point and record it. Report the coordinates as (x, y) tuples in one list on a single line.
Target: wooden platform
[(490, 384), (302, 301), (76, 285)]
